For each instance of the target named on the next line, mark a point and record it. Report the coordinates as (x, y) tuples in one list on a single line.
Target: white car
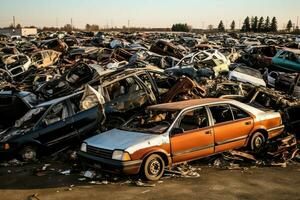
[(251, 42), (17, 64), (247, 75), (210, 54)]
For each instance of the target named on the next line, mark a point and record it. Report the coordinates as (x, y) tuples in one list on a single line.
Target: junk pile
[(58, 89)]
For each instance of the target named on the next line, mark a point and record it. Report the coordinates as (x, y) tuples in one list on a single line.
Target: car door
[(292, 62), (196, 140), (124, 95), (232, 126), (56, 126), (87, 121)]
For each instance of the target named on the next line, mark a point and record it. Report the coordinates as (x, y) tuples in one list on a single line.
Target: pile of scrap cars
[(140, 103)]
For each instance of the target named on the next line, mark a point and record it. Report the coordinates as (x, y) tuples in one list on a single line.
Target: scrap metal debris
[(82, 84)]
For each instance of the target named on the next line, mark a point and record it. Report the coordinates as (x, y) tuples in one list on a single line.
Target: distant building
[(18, 31)]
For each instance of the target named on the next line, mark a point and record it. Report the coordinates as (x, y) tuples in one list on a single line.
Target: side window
[(283, 55), (57, 113), (292, 57), (163, 82), (238, 113), (122, 87), (221, 113), (194, 119), (37, 57)]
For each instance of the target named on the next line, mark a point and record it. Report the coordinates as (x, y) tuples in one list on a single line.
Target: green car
[(288, 60)]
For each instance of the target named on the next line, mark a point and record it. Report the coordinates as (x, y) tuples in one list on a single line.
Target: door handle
[(208, 132), (247, 123)]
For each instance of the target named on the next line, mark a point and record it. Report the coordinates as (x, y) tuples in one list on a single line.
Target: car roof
[(60, 99), (180, 105)]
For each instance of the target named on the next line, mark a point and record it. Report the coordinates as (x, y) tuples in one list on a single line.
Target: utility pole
[(14, 22), (56, 22), (71, 24), (297, 27)]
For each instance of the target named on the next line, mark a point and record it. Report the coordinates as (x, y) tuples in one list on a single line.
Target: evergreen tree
[(251, 23), (221, 26), (273, 26), (289, 26), (181, 27), (260, 25), (232, 26), (254, 25), (267, 25), (246, 25)]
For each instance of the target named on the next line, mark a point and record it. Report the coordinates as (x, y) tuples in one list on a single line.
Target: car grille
[(103, 153)]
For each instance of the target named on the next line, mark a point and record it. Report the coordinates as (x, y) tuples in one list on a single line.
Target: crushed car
[(53, 125)]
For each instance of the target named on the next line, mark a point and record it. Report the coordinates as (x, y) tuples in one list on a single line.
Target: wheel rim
[(29, 155), (258, 142), (154, 167)]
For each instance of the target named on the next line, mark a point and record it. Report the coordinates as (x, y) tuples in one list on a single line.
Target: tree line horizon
[(253, 24)]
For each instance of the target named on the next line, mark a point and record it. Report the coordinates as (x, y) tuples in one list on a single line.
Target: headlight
[(4, 146), (120, 155), (83, 147)]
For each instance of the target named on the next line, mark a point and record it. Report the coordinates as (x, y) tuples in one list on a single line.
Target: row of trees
[(257, 25), (260, 25), (181, 27)]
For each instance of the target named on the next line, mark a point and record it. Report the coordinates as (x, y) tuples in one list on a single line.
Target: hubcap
[(29, 155), (258, 142), (154, 167)]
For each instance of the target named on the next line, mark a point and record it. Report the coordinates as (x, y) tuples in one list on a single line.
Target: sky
[(144, 13)]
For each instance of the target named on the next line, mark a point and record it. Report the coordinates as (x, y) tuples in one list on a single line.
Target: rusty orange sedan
[(172, 133)]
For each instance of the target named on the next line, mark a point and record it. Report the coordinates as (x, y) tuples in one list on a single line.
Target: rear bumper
[(115, 166)]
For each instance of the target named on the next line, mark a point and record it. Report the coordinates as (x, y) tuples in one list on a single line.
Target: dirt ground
[(20, 182)]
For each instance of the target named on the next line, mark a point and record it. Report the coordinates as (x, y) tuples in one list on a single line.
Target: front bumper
[(115, 166)]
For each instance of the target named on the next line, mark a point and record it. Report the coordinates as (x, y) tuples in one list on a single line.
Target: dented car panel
[(53, 125)]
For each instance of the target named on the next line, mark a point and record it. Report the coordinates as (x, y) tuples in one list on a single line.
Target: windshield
[(152, 121), (248, 71), (30, 118)]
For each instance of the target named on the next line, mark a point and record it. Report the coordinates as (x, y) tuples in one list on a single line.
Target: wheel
[(153, 168), (257, 142), (28, 153)]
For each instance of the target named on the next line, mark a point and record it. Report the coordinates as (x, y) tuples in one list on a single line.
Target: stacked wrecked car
[(142, 102)]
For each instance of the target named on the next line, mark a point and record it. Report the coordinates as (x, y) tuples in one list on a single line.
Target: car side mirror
[(176, 131)]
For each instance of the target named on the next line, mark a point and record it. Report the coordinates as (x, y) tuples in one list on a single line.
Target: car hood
[(9, 133), (126, 140)]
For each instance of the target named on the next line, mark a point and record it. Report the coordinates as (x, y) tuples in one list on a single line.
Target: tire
[(28, 154), (153, 167), (257, 142)]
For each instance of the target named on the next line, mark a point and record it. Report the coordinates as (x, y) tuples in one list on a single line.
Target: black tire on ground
[(153, 167), (28, 153), (257, 142)]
